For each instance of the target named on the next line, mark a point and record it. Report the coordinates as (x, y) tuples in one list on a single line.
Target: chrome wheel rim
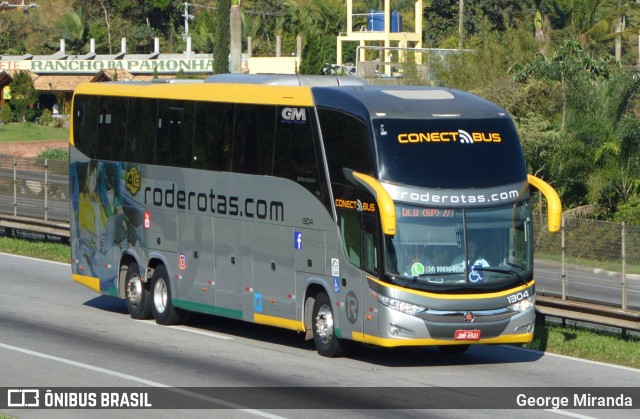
[(134, 290), (160, 295), (324, 324)]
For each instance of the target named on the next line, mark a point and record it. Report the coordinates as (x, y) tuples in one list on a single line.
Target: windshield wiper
[(428, 276), (411, 280), (502, 271)]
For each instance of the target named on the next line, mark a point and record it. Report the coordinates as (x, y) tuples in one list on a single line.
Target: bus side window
[(350, 227), (371, 244), (295, 154), (344, 137), (253, 136), (174, 137), (112, 128), (85, 124), (140, 140), (212, 136)]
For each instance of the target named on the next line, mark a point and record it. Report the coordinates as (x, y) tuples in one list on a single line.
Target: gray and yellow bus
[(390, 216)]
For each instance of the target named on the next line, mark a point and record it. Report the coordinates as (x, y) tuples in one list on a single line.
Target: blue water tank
[(375, 21)]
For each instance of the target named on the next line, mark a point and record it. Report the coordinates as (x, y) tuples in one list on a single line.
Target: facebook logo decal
[(297, 240)]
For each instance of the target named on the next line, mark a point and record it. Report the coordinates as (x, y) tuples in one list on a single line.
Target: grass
[(31, 132), (589, 344), (50, 251), (571, 341)]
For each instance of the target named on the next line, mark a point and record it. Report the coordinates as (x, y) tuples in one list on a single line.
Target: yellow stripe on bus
[(71, 140), (454, 296), (206, 92), (88, 281), (390, 343), (296, 325)]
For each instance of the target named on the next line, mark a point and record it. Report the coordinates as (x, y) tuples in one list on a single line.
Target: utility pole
[(187, 18), (460, 23), (22, 5)]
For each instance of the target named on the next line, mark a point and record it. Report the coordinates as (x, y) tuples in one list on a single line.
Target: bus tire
[(327, 343), (163, 310), (136, 294), (453, 349)]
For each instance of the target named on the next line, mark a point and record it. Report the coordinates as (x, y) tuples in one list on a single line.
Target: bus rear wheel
[(163, 310), (137, 295), (327, 343)]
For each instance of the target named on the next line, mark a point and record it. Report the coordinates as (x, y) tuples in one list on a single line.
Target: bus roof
[(410, 102), (338, 92), (286, 80)]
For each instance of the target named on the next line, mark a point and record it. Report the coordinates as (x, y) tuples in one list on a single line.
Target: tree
[(138, 21), (259, 22), (318, 22), (107, 22), (202, 32), (235, 44), (222, 38), (593, 22), (615, 176), (23, 93), (568, 64), (74, 30), (441, 19), (9, 41)]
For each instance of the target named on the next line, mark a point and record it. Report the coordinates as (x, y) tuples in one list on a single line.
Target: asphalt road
[(591, 284), (56, 333)]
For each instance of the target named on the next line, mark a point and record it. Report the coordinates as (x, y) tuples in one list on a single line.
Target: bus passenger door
[(196, 265), (273, 276), (370, 267), (360, 242), (232, 250)]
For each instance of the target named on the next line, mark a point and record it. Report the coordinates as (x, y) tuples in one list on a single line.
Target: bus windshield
[(449, 153), (470, 247)]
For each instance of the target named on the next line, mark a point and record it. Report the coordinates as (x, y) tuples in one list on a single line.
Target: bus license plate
[(467, 334)]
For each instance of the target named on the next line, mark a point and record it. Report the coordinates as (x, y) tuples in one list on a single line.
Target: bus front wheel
[(137, 295), (324, 336), (163, 310)]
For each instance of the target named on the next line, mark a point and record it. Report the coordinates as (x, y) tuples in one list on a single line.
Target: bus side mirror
[(554, 216), (386, 207)]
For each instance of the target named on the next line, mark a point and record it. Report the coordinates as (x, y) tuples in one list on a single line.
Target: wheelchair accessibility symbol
[(476, 276)]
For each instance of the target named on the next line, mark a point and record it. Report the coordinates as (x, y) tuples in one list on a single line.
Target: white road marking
[(138, 380), (189, 330), (36, 259), (569, 414)]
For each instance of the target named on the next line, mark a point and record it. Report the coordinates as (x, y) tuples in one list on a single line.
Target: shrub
[(6, 114), (59, 122), (54, 154), (30, 115), (46, 118)]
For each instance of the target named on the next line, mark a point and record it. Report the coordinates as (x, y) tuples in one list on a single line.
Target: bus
[(385, 215)]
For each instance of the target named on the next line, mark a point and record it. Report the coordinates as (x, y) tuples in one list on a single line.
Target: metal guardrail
[(34, 188), (34, 229), (589, 313)]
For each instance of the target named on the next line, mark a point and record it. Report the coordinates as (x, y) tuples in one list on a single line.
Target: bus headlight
[(523, 305), (401, 306)]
